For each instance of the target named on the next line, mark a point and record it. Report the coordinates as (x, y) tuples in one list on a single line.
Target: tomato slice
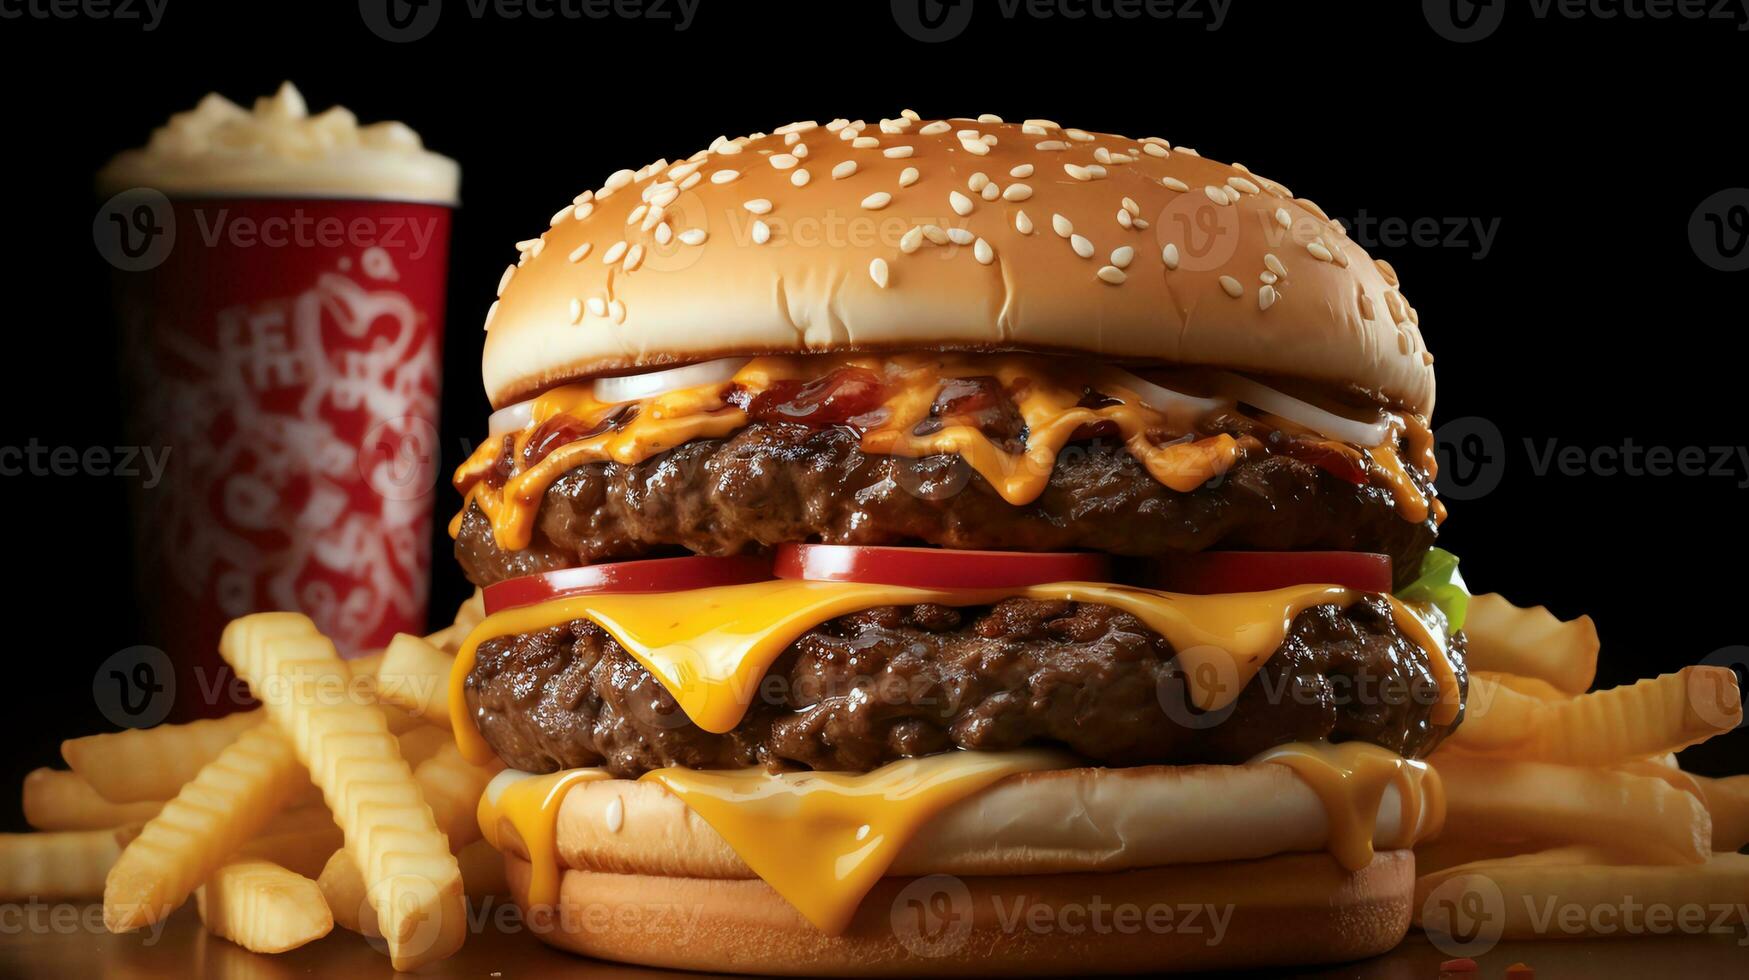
[(1214, 572), (648, 575), (937, 568)]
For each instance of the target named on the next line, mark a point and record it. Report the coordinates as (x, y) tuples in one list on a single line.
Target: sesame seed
[(877, 270), (843, 169), (1366, 307), (800, 177), (1244, 185), (1173, 183), (560, 215), (637, 214), (634, 257), (1274, 264), (910, 114), (1079, 135), (761, 232), (876, 201), (724, 176), (758, 205), (1049, 145), (614, 252), (935, 234), (596, 306), (1122, 256), (693, 236), (1265, 297), (1319, 250), (1268, 278), (991, 192), (1386, 270), (959, 236), (491, 312), (1022, 223), (584, 210), (1232, 286), (1154, 150), (908, 176), (1081, 245), (664, 197), (784, 161), (583, 198), (1016, 192), (962, 205), (989, 117), (1217, 194), (1283, 219), (576, 310), (1021, 172), (1124, 219), (1112, 274), (681, 171), (897, 152), (580, 253), (1077, 171), (1062, 226), (1169, 255), (982, 251), (977, 182), (618, 179), (617, 310), (934, 128), (865, 143), (975, 147), (1041, 123), (912, 240), (664, 233)]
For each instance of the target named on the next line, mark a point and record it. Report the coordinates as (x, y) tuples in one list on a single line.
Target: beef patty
[(775, 482), (900, 681)]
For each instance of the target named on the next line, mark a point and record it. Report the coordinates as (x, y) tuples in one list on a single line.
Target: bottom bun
[(1292, 909)]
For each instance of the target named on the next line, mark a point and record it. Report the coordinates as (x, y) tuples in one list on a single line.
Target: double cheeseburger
[(952, 546)]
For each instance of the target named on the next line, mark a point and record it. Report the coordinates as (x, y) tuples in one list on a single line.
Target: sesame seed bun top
[(958, 233)]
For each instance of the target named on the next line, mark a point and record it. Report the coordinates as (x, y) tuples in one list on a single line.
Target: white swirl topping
[(277, 149)]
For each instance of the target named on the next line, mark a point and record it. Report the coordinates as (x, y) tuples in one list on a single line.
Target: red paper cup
[(287, 355)]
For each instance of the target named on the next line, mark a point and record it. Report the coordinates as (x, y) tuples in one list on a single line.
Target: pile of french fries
[(1560, 797), (342, 799)]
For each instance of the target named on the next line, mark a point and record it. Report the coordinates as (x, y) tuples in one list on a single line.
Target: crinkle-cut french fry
[(411, 878), (301, 851), (145, 764), (262, 907), (1498, 718), (1728, 801), (451, 786), (55, 799), (214, 814), (1512, 800), (342, 886), (415, 676), (1534, 687), (55, 866), (1531, 642), (483, 872), (1653, 717), (1534, 889)]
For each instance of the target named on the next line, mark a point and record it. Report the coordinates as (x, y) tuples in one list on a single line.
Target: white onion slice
[(1180, 409), (1344, 429), (510, 418), (632, 387)]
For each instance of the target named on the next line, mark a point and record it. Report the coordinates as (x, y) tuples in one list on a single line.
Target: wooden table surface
[(70, 943)]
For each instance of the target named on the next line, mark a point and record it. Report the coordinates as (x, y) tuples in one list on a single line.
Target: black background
[(1591, 320)]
